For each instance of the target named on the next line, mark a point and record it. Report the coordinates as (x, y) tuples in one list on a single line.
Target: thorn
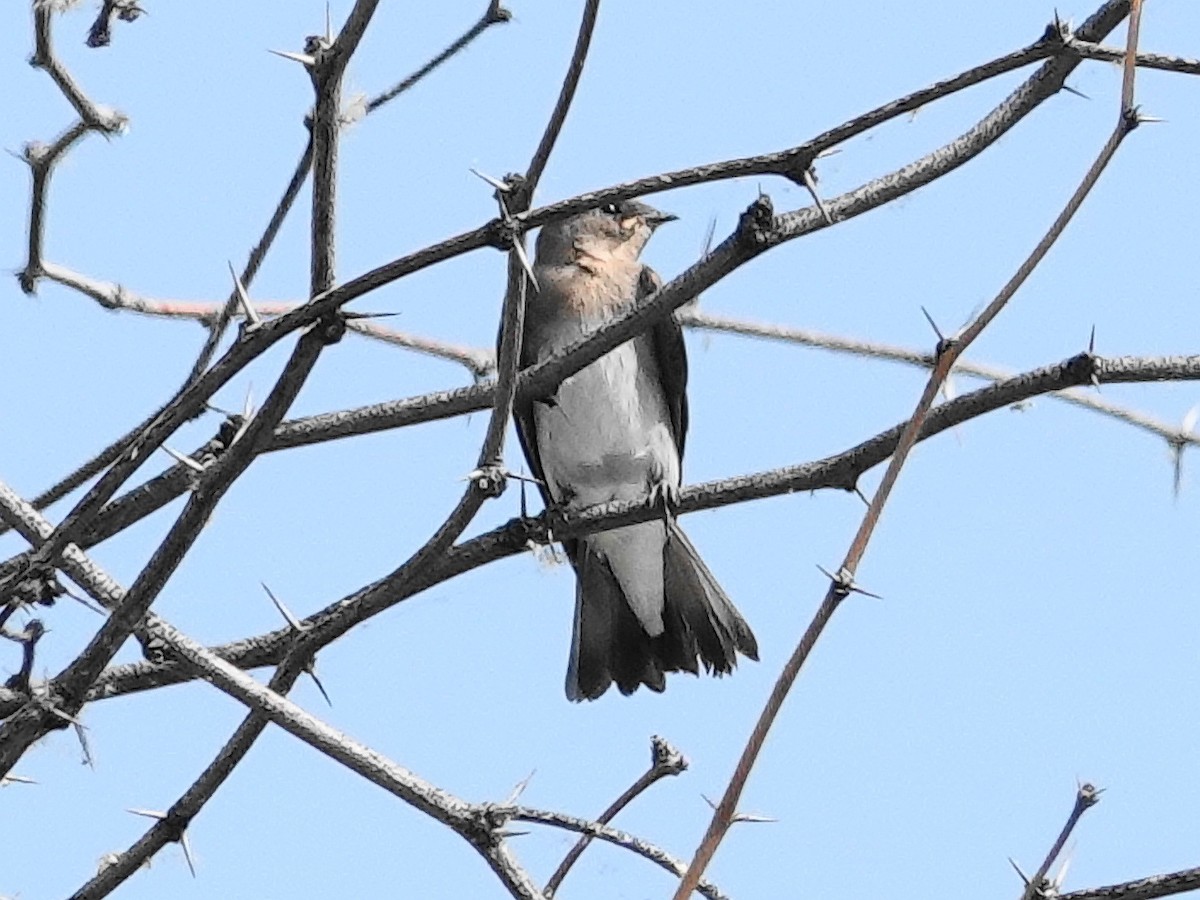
[(183, 460), (502, 187), (506, 833), (861, 496), (521, 477), (253, 319), (519, 788), (932, 324), (1056, 881), (752, 817), (519, 249), (1189, 420), (1012, 862), (248, 406), (1092, 342), (15, 779), (303, 58), (329, 42), (811, 184), (831, 151), (84, 601), (81, 734), (311, 671), (843, 583), (212, 407), (1149, 120), (1075, 91), (148, 813), (65, 716), (283, 610), (709, 234), (349, 316), (187, 852)]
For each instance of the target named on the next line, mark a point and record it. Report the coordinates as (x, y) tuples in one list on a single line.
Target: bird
[(645, 602)]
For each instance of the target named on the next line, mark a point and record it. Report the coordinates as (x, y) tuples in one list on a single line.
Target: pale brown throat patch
[(595, 286)]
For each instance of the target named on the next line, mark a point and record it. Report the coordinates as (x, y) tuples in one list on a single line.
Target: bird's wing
[(523, 418), (666, 340)]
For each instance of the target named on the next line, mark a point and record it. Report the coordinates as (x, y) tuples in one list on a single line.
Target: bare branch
[(1161, 62), (665, 760), (744, 245), (948, 351), (839, 471), (1086, 797), (541, 156), (170, 828), (606, 833), (1143, 888), (69, 688), (495, 14)]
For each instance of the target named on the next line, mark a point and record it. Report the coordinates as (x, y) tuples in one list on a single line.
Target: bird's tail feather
[(700, 625)]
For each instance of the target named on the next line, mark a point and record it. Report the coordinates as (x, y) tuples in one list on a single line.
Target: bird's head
[(615, 230)]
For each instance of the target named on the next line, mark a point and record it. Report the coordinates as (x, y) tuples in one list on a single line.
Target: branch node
[(331, 328), (1131, 118), (489, 480), (757, 224), (1088, 795), (497, 14), (664, 758), (1058, 33)]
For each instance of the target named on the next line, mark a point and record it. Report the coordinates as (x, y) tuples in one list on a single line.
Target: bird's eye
[(611, 208)]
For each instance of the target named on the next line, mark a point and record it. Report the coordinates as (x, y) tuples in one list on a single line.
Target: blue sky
[(1039, 621)]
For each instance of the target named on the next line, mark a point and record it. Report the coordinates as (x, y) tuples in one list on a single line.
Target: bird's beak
[(654, 218)]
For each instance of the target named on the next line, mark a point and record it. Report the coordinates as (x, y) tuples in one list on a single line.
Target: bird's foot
[(666, 496)]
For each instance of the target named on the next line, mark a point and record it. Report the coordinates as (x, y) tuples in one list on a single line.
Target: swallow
[(645, 603)]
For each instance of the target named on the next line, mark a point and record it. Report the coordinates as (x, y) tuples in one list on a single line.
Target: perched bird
[(645, 603)]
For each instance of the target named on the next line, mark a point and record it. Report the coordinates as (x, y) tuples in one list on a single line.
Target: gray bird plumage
[(645, 603)]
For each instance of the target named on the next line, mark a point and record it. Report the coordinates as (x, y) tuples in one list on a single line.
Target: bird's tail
[(611, 642)]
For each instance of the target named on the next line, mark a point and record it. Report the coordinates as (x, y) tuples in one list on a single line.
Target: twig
[(100, 34), (42, 158), (1163, 63), (840, 471), (170, 828), (699, 277), (612, 835), (1143, 888), (537, 165), (665, 760), (481, 362), (1086, 797), (474, 823), (842, 584), (495, 14)]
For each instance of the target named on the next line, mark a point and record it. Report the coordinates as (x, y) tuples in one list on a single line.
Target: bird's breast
[(605, 435)]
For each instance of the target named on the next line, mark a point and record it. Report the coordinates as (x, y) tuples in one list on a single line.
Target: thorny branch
[(481, 362), (665, 761), (840, 471), (759, 230), (948, 351), (1086, 797), (717, 265), (495, 14), (611, 835)]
